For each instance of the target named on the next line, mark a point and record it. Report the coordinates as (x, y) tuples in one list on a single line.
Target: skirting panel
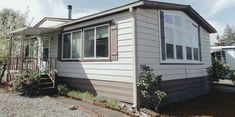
[(118, 90), (182, 89)]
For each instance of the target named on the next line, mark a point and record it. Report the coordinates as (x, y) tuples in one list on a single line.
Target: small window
[(189, 53), (170, 51), (218, 55), (195, 54), (179, 52), (169, 19), (223, 55)]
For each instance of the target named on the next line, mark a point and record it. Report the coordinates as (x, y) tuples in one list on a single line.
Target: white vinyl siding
[(119, 71), (148, 49)]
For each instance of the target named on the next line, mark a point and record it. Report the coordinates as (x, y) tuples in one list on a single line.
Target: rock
[(72, 107)]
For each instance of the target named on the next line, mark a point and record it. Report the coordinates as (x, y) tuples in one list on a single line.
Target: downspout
[(135, 95)]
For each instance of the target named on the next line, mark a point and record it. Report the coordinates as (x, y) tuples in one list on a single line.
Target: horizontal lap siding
[(114, 72), (148, 49), (117, 90)]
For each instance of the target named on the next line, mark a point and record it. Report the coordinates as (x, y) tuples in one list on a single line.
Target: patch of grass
[(65, 90), (83, 95), (108, 101), (216, 104)]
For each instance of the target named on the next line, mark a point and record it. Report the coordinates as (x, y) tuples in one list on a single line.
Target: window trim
[(175, 60), (62, 46), (95, 58)]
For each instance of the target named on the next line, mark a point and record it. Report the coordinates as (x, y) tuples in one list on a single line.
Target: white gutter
[(135, 95)]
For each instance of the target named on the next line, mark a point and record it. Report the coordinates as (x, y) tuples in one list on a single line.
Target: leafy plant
[(149, 86), (63, 89), (232, 76), (218, 70), (27, 83)]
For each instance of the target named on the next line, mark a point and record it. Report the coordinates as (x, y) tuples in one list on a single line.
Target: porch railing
[(51, 72), (22, 64), (38, 65)]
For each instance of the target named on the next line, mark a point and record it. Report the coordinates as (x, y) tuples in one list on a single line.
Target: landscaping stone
[(13, 105)]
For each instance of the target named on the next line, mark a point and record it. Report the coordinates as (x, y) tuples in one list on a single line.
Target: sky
[(218, 13)]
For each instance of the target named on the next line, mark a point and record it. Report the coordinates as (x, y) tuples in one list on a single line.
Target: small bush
[(27, 83), (63, 89), (149, 86), (218, 70)]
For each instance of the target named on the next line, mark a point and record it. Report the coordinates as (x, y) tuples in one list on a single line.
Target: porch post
[(22, 52), (9, 61)]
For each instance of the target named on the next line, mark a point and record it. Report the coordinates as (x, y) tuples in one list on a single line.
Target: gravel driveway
[(13, 105)]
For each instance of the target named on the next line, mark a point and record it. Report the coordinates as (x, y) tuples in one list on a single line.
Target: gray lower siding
[(182, 89), (122, 91)]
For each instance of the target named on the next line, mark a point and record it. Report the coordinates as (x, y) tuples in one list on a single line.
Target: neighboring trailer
[(225, 53)]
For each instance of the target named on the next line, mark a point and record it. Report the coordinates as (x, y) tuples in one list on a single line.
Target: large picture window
[(88, 43), (181, 38), (71, 45)]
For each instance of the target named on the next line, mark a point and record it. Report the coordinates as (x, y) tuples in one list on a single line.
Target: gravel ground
[(13, 105)]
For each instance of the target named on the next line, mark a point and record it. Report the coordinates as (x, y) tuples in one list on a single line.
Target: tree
[(228, 37), (220, 42), (10, 20)]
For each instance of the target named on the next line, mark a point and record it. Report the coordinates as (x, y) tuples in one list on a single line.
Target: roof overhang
[(62, 20), (150, 5), (31, 31)]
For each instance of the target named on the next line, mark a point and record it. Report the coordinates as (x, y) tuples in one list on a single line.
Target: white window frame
[(175, 60), (62, 50), (95, 27)]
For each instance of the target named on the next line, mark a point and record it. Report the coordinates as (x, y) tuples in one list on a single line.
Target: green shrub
[(218, 70), (63, 89), (149, 86), (27, 83)]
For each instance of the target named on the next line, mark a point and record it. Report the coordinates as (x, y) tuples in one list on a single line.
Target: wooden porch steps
[(46, 86)]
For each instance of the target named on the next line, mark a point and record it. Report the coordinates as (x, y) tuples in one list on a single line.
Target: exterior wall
[(148, 52), (112, 79), (230, 55)]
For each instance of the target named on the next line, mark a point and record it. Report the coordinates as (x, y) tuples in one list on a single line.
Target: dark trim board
[(122, 91), (182, 89)]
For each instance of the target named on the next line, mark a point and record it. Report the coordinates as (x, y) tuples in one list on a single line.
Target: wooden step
[(45, 80), (48, 91), (46, 84)]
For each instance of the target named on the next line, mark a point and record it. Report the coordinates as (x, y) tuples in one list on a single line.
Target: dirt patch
[(217, 104)]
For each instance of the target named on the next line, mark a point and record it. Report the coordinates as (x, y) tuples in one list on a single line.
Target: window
[(181, 38), (195, 54), (179, 52), (189, 53), (96, 42), (170, 51), (71, 45), (102, 41), (89, 42)]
